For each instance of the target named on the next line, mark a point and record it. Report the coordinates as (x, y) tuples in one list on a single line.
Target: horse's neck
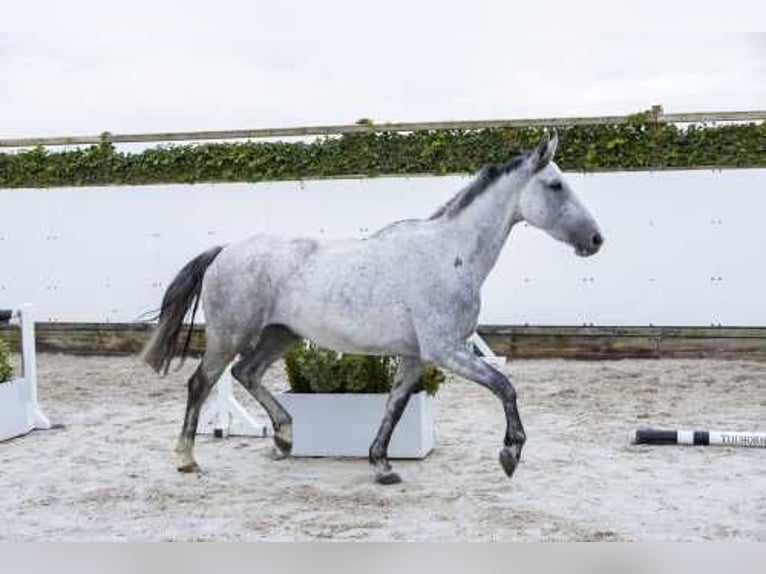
[(482, 228)]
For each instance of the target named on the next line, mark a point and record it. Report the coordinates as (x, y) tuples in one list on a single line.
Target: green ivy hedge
[(639, 144)]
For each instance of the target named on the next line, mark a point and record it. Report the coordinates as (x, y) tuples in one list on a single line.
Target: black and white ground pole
[(699, 438)]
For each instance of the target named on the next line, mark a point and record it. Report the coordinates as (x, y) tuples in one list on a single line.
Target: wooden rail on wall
[(592, 343), (656, 114), (517, 342)]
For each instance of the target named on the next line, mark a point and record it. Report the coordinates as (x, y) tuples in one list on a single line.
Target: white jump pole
[(476, 342), (698, 438)]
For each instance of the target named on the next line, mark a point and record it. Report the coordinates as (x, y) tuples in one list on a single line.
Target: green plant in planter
[(6, 371), (311, 369)]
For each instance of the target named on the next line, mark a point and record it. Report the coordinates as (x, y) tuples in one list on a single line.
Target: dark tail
[(179, 297)]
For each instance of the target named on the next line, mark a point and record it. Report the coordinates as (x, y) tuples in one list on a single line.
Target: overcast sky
[(87, 66)]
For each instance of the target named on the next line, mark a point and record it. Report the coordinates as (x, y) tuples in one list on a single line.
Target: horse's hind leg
[(272, 344), (405, 380), (201, 382)]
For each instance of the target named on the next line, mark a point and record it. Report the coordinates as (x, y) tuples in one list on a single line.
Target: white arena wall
[(682, 247)]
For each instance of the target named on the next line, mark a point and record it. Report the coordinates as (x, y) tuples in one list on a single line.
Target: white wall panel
[(682, 248)]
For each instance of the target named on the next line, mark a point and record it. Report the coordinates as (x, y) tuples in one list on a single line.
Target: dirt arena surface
[(109, 474)]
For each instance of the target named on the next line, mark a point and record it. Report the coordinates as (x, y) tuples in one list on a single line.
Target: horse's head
[(548, 202)]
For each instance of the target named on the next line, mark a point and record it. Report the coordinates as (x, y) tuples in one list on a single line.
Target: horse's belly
[(352, 300), (372, 330)]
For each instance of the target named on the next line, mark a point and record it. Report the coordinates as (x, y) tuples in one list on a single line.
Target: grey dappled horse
[(410, 290)]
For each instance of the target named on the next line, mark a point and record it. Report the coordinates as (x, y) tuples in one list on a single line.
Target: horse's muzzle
[(591, 247)]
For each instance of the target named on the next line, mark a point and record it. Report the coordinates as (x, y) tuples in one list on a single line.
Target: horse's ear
[(546, 150)]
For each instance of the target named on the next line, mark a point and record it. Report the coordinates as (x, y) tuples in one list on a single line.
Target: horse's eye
[(555, 185)]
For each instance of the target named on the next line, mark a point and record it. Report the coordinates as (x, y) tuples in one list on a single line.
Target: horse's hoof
[(277, 454), (285, 447), (387, 477), (508, 460), (185, 461), (188, 467), (283, 438)]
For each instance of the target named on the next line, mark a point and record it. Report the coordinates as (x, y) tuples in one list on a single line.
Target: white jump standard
[(698, 438), (225, 416), (19, 411)]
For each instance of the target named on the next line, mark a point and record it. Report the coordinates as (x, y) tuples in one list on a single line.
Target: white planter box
[(16, 417), (345, 424)]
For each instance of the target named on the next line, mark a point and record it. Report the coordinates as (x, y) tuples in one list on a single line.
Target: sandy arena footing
[(109, 474)]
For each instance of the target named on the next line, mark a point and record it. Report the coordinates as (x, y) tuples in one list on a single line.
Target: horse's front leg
[(464, 363), (405, 382)]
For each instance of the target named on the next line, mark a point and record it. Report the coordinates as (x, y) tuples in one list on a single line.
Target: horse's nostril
[(597, 239)]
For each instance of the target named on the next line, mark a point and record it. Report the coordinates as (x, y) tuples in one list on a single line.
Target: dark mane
[(488, 175)]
